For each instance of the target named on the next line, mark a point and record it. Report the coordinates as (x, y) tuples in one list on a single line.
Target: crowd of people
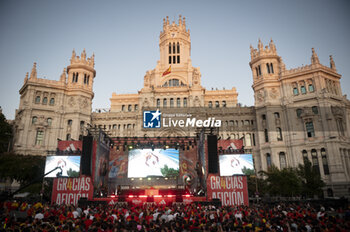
[(22, 216)]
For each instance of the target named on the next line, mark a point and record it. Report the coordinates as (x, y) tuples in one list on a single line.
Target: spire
[(260, 46), (314, 57), (33, 74), (93, 59), (63, 76), (272, 45), (251, 51), (180, 20), (73, 54), (83, 55), (167, 20), (332, 63), (184, 22), (26, 78)]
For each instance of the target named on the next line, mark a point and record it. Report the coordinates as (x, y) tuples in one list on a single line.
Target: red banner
[(231, 190), (70, 190)]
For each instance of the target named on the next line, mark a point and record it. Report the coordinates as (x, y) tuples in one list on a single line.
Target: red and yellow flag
[(166, 72)]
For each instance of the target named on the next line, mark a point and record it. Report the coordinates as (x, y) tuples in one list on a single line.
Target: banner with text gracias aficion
[(231, 190), (70, 190)]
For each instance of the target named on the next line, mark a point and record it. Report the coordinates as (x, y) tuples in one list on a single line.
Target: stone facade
[(50, 110), (298, 113)]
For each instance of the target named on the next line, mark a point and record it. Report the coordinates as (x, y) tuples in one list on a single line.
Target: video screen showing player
[(237, 164), (70, 166), (157, 162)]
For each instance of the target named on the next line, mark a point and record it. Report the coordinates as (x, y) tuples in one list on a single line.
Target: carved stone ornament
[(71, 102), (260, 96), (84, 103), (273, 93)]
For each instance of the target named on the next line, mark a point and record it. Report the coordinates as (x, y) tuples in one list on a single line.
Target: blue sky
[(124, 36)]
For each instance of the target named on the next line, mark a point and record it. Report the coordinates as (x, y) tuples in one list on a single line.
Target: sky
[(124, 36)]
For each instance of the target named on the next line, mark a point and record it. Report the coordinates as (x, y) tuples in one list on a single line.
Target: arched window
[(123, 107), (302, 89), (279, 134), (248, 140), (268, 160), (52, 101), (76, 77), (129, 107), (49, 121), (223, 103), (178, 102), (68, 137), (164, 102), (178, 59), (305, 157), (169, 48), (257, 72), (310, 131), (171, 102), (277, 115), (324, 161), (158, 103), (259, 69), (299, 112), (217, 104), (37, 99), (295, 91), (210, 104), (45, 100), (136, 107), (315, 109), (315, 161), (283, 161), (311, 87), (271, 67), (174, 49), (178, 47), (169, 59), (268, 67), (34, 119), (39, 139), (263, 116), (174, 59), (185, 102), (266, 133), (69, 122)]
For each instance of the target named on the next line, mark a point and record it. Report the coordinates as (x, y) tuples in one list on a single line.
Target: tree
[(169, 172), (22, 168), (285, 182), (311, 182), (5, 133)]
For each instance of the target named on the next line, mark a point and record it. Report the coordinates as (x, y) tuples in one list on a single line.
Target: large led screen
[(237, 164), (70, 165), (157, 162)]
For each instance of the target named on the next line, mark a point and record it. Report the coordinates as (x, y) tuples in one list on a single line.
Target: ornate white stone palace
[(298, 113)]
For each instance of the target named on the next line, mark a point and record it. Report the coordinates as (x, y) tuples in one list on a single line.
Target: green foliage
[(255, 185), (288, 182), (22, 168), (5, 134), (247, 171), (310, 179), (72, 173), (283, 182), (169, 172)]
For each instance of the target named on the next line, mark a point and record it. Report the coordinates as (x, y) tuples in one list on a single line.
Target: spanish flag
[(166, 72)]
